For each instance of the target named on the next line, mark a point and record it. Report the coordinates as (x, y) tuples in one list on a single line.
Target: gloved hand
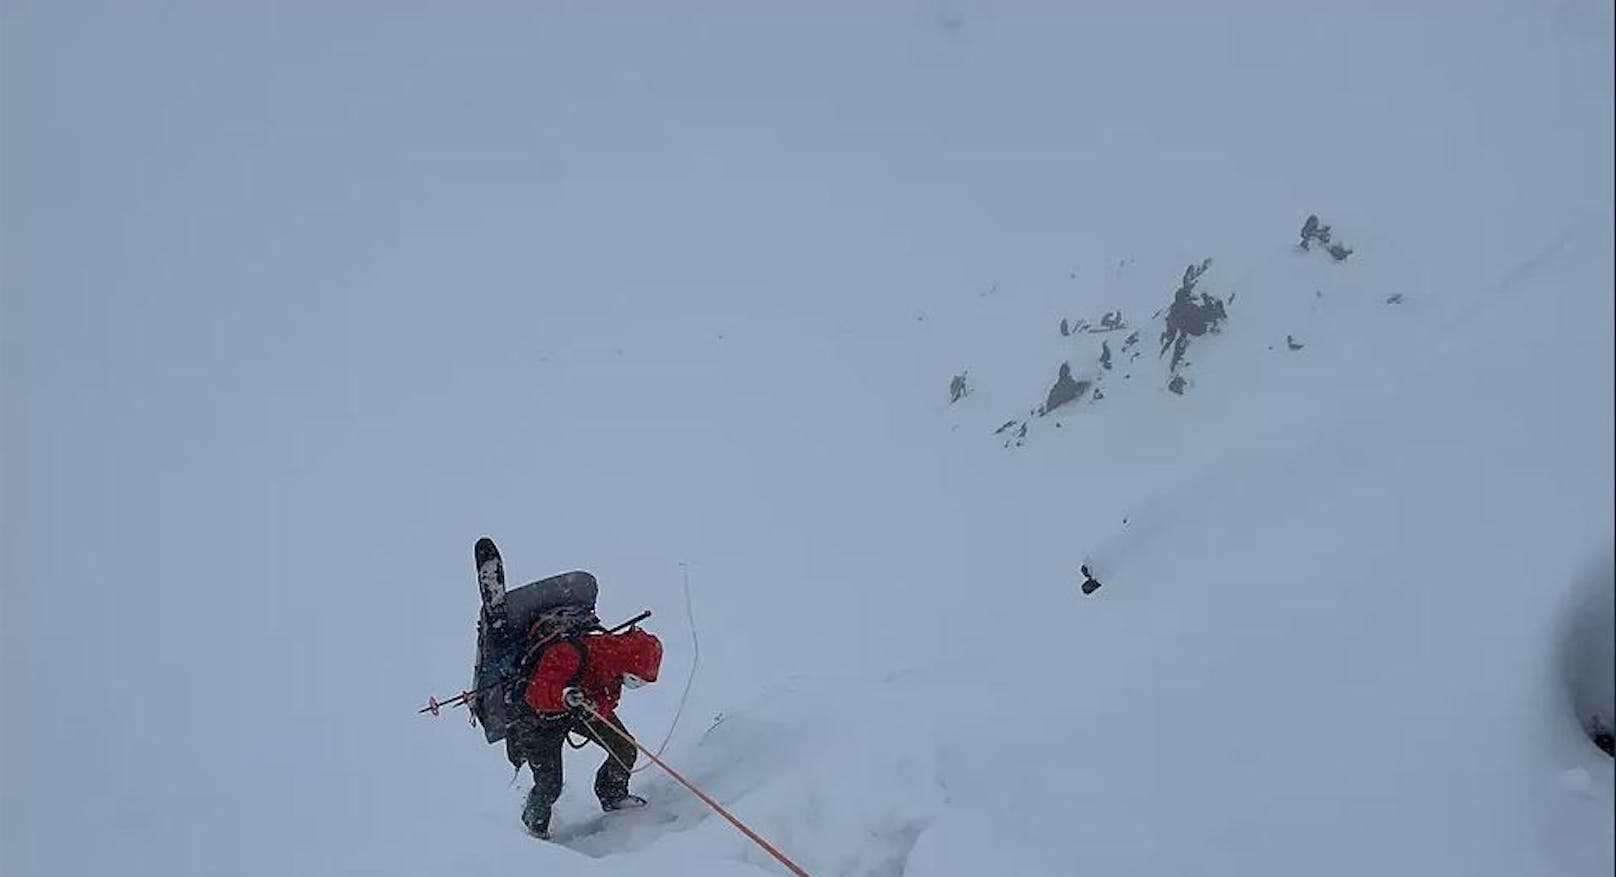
[(574, 698)]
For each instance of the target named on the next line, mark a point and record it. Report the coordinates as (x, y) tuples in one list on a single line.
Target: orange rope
[(754, 836)]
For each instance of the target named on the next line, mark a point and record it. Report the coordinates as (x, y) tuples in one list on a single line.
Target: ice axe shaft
[(433, 705), (631, 622), (546, 641)]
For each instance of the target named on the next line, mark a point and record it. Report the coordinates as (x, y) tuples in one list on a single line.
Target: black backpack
[(537, 615)]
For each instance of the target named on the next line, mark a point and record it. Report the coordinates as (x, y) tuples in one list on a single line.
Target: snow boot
[(627, 802), (536, 816)]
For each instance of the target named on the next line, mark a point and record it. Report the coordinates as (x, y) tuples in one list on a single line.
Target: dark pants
[(539, 743)]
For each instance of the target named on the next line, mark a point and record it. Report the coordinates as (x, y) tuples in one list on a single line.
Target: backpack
[(563, 625), (536, 615)]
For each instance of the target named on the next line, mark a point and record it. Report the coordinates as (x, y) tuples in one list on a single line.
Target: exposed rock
[(1314, 230), (1065, 390), (1190, 316), (1016, 438), (1090, 583), (957, 389)]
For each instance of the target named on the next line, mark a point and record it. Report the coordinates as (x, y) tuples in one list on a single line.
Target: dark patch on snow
[(1587, 653), (957, 389), (1065, 390), (1315, 231), (1190, 315)]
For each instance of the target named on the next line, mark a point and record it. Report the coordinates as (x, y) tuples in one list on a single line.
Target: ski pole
[(433, 705)]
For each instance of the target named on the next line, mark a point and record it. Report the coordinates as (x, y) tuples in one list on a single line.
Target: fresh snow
[(301, 301)]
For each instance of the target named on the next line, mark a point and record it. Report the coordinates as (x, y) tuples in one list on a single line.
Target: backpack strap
[(577, 643), (530, 662)]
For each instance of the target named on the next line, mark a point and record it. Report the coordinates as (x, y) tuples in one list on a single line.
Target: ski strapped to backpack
[(509, 622)]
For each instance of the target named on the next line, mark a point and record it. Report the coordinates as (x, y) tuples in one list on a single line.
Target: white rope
[(695, 660)]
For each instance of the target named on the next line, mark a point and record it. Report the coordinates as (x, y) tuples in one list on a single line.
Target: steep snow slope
[(625, 290), (1326, 643)]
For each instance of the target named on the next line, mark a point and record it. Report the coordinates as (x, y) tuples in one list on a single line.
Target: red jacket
[(610, 655)]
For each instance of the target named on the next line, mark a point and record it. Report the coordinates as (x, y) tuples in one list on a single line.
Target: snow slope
[(626, 288)]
